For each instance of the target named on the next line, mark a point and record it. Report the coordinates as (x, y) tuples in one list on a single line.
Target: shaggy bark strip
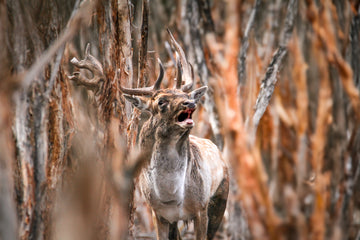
[(300, 156), (323, 26), (318, 141), (246, 161), (8, 218), (143, 81), (355, 47)]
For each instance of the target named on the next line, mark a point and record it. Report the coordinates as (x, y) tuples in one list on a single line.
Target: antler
[(184, 69), (93, 65), (178, 71), (146, 91)]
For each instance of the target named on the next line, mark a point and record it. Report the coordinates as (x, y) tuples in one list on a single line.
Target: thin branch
[(289, 23), (268, 83), (245, 45)]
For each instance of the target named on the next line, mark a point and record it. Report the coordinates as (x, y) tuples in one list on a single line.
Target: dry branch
[(267, 88), (270, 79)]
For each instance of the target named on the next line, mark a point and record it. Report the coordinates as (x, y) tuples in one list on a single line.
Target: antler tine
[(146, 91), (186, 71), (93, 65), (178, 72), (160, 77), (188, 87)]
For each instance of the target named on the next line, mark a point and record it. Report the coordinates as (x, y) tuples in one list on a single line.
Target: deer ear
[(198, 93), (137, 102)]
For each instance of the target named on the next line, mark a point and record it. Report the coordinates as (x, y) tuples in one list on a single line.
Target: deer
[(186, 178)]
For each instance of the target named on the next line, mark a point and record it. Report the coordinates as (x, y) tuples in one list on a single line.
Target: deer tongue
[(185, 117), (189, 121)]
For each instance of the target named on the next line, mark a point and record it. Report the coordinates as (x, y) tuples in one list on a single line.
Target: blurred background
[(283, 106)]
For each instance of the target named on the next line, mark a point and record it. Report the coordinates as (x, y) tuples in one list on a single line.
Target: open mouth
[(185, 117)]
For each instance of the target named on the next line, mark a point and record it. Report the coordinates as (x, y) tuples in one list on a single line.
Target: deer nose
[(189, 104)]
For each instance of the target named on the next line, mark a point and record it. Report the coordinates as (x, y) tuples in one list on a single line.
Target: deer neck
[(171, 152), (168, 165), (166, 145)]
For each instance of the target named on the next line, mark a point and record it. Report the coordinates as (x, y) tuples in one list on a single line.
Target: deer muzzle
[(184, 119)]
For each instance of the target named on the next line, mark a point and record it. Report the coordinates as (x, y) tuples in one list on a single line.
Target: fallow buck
[(186, 178)]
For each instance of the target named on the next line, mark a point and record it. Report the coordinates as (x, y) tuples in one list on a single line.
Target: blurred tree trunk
[(41, 139)]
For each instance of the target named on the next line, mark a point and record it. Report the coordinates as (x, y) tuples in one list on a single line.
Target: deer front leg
[(201, 224), (162, 228)]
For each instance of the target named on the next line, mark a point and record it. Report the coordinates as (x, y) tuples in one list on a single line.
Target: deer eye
[(162, 104)]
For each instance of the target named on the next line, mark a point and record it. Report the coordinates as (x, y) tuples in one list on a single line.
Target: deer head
[(172, 108)]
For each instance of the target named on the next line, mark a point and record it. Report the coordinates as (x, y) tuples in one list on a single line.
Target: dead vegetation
[(283, 105)]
